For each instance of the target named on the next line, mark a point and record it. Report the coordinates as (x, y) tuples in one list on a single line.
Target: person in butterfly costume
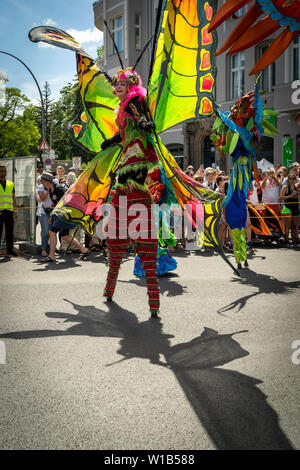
[(137, 182), (172, 98)]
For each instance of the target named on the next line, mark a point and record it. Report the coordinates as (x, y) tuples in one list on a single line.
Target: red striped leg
[(116, 250), (147, 251)]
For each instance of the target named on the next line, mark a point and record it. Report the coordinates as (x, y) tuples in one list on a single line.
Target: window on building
[(138, 35), (177, 151), (237, 75), (208, 153), (265, 149), (117, 32), (267, 78), (296, 59)]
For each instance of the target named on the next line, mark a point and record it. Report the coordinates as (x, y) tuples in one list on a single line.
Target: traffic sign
[(48, 161), (44, 145), (76, 162)]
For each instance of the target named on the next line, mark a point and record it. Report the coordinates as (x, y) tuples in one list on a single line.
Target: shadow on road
[(230, 406), (265, 285), (167, 284)]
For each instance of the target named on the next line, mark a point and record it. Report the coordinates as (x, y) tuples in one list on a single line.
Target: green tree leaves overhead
[(63, 111), (19, 133), (21, 123)]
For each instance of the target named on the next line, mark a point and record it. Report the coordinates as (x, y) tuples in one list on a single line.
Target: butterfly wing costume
[(181, 80)]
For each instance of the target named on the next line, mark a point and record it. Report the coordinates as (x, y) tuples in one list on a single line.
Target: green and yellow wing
[(82, 203), (96, 121), (192, 196), (182, 67)]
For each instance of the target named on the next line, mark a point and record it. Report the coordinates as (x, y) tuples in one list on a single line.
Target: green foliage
[(14, 103), (62, 113), (21, 123), (19, 133), (20, 137)]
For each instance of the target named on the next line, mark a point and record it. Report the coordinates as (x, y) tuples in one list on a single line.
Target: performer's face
[(121, 90)]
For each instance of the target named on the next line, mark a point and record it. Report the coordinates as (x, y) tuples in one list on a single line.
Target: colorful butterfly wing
[(82, 202), (96, 121), (182, 69), (202, 206), (56, 37), (99, 104)]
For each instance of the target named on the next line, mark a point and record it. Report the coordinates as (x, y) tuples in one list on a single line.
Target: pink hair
[(135, 90)]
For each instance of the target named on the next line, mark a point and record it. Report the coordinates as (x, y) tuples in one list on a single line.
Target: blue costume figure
[(166, 238), (238, 134)]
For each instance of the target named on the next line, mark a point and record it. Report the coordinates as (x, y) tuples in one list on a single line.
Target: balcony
[(98, 14), (283, 95)]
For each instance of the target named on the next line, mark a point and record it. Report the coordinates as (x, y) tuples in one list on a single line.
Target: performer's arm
[(116, 139), (136, 110)]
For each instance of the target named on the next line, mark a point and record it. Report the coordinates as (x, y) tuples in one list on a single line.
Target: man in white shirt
[(209, 175)]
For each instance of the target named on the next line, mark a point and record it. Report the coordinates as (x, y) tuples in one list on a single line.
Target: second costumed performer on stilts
[(138, 182), (237, 133)]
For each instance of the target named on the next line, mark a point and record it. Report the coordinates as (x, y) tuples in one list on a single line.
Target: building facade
[(132, 23)]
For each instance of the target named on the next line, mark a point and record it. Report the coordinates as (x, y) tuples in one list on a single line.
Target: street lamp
[(36, 82)]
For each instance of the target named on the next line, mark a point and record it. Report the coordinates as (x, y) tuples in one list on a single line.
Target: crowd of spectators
[(51, 187), (278, 188)]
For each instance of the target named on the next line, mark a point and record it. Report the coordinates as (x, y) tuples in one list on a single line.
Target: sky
[(54, 65)]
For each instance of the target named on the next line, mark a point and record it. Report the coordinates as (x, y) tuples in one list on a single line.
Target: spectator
[(209, 181), (8, 210), (220, 188), (199, 178), (71, 178), (293, 170), (270, 190), (190, 171), (40, 169), (60, 175), (220, 184), (253, 196), (73, 170), (56, 192), (46, 208), (290, 210), (199, 172), (261, 176)]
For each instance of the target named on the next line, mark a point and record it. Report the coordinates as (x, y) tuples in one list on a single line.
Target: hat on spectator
[(47, 177)]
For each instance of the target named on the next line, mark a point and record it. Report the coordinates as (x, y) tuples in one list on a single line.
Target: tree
[(20, 137), (62, 113), (14, 103), (19, 133)]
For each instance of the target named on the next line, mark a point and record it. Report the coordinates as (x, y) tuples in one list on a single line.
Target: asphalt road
[(215, 372)]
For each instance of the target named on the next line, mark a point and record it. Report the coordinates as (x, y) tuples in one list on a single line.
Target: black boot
[(239, 266), (246, 264), (154, 313)]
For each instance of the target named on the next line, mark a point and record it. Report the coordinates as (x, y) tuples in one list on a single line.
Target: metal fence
[(22, 172)]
